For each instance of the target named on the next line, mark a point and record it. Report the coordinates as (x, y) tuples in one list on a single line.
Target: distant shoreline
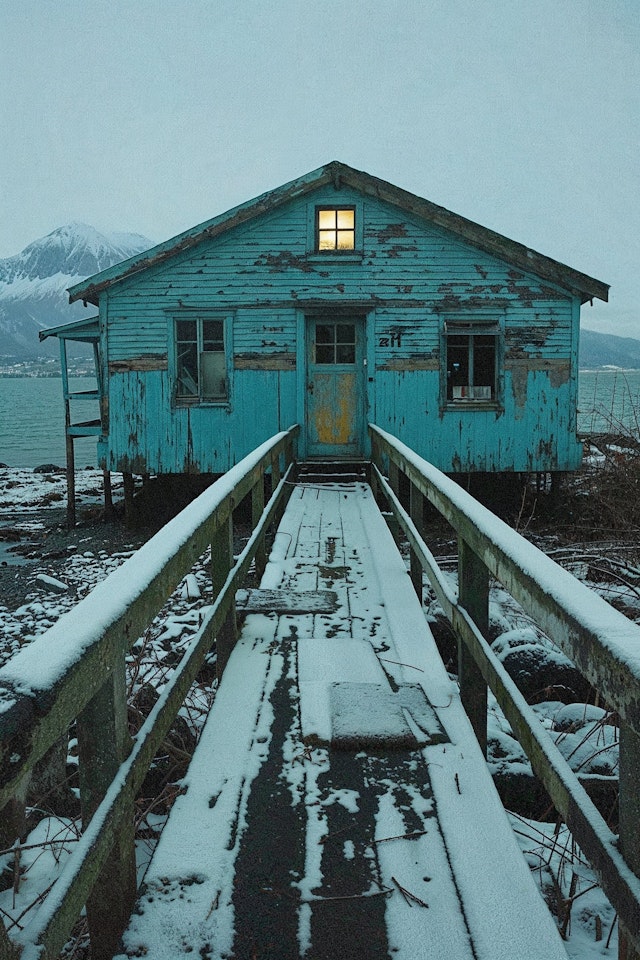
[(35, 375)]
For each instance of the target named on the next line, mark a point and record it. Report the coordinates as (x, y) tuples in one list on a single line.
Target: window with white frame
[(471, 362), (201, 363)]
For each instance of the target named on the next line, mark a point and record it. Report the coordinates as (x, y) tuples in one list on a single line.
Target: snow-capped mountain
[(33, 284)]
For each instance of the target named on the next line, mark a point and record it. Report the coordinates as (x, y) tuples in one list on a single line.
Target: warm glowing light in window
[(336, 229)]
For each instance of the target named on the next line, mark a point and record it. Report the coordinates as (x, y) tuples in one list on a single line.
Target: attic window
[(335, 228)]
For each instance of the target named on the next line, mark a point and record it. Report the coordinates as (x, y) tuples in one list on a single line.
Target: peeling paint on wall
[(409, 363), (283, 261), (150, 361), (265, 361)]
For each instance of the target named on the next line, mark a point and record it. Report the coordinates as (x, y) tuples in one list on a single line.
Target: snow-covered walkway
[(337, 804)]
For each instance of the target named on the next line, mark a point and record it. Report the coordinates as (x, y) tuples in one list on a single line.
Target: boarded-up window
[(201, 365)]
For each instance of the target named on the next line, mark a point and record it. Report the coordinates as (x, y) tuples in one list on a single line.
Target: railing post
[(394, 483), (629, 818), (473, 586), (416, 508), (221, 564), (276, 477), (394, 477), (257, 509), (103, 743), (13, 815)]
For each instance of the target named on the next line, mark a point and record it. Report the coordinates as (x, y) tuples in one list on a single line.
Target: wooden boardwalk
[(338, 805)]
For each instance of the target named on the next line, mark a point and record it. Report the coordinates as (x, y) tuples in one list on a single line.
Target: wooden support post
[(128, 489), (257, 509), (221, 563), (71, 480), (416, 507), (108, 494), (68, 440), (473, 580), (629, 819), (103, 743)]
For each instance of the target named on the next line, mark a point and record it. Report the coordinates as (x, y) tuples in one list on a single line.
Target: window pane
[(187, 329), (484, 362), (346, 240), (187, 385), (457, 365), (212, 334), (346, 333), (325, 332), (325, 353), (346, 219), (345, 353), (214, 376), (327, 240), (327, 219)]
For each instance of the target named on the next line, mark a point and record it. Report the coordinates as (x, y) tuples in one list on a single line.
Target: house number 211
[(393, 340)]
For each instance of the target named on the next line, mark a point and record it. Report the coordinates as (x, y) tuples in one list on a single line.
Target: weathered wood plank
[(286, 601), (52, 926), (600, 845)]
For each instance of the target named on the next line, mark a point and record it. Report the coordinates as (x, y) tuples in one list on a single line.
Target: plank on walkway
[(337, 804)]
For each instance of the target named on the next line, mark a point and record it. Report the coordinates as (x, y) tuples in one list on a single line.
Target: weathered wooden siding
[(409, 279)]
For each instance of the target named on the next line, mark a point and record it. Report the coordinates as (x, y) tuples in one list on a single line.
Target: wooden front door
[(335, 408)]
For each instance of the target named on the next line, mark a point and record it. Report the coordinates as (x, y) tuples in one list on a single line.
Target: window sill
[(339, 256), (463, 404), (182, 403)]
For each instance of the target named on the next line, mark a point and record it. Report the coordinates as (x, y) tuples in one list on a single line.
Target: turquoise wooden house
[(333, 301)]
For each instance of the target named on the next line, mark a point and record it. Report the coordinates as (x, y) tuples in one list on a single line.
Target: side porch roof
[(86, 331), (587, 288)]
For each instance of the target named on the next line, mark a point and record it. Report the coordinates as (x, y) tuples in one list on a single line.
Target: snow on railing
[(76, 672), (603, 643)]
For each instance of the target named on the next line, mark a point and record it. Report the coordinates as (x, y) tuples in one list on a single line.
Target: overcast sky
[(151, 116)]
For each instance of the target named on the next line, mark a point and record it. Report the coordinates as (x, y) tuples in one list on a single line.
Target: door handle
[(310, 386)]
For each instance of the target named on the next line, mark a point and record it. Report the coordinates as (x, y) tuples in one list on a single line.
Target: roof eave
[(89, 290), (83, 331), (510, 251), (517, 254)]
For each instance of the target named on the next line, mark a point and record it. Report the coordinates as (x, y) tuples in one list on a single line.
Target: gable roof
[(587, 288)]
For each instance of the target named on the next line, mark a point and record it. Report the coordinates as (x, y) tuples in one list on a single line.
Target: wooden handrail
[(604, 645), (73, 671)]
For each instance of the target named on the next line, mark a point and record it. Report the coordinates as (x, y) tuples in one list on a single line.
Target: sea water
[(32, 414), (32, 421)]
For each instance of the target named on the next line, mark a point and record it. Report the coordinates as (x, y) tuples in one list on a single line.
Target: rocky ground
[(34, 537)]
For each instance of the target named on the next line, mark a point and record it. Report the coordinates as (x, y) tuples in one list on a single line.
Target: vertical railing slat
[(416, 507), (473, 586), (221, 563), (103, 743), (629, 818), (257, 509)]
